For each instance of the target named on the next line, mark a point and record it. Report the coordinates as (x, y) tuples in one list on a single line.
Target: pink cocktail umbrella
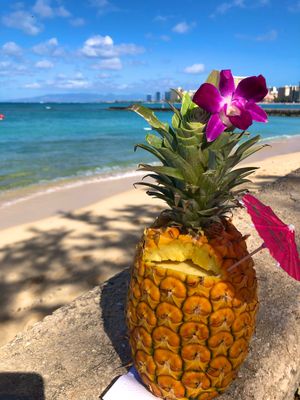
[(278, 237)]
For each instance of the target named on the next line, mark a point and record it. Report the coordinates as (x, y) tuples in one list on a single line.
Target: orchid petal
[(214, 128), (242, 121), (257, 113), (226, 85), (208, 98), (252, 88)]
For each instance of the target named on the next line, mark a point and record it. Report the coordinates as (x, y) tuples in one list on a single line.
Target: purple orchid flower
[(232, 107)]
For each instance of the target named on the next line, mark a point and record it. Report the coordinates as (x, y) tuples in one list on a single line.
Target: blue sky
[(113, 46)]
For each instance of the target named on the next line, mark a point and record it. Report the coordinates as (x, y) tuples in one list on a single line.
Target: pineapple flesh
[(190, 317)]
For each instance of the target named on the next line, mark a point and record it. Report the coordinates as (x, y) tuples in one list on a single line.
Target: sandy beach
[(57, 245)]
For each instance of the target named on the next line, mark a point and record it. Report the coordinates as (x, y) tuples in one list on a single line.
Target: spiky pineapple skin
[(190, 334)]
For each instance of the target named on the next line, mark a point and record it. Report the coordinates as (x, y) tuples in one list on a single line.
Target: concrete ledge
[(75, 353)]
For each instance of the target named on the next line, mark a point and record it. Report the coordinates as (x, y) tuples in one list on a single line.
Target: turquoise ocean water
[(48, 143)]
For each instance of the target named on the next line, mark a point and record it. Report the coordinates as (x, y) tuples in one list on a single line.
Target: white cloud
[(77, 22), (128, 49), (151, 36), (103, 6), (53, 42), (4, 64), (63, 81), (12, 49), (268, 36), (98, 46), (33, 85), (44, 64), (225, 6), (5, 68), (22, 20), (9, 68), (264, 37), (109, 64), (195, 69), (165, 38), (73, 84), (104, 47), (49, 48), (103, 75), (123, 86), (44, 9), (61, 11), (183, 27), (162, 18)]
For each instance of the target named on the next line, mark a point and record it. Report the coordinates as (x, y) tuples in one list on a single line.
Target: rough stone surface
[(77, 351)]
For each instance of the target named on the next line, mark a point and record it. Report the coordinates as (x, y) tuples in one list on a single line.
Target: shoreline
[(34, 203)]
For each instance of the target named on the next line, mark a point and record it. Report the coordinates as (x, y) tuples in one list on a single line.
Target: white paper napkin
[(128, 387)]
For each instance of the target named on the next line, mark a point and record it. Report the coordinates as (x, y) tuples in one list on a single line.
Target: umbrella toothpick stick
[(232, 267)]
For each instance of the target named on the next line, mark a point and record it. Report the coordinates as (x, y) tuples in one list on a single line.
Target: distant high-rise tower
[(149, 98), (168, 96), (157, 96)]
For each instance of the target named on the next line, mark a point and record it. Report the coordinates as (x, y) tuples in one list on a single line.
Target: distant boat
[(48, 108)]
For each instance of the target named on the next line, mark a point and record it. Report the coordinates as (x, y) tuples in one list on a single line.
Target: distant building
[(172, 95), (168, 96), (272, 95), (157, 97), (288, 93), (149, 98), (237, 80)]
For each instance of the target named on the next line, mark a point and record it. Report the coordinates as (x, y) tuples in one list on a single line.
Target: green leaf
[(160, 196), (246, 145), (208, 212), (212, 160), (161, 179), (150, 117), (187, 104), (253, 150), (175, 160), (158, 188), (154, 141), (195, 128), (151, 150), (169, 171), (174, 109), (164, 188), (176, 121), (238, 173)]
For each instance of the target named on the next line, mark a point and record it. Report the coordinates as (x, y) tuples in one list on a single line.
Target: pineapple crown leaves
[(199, 180)]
